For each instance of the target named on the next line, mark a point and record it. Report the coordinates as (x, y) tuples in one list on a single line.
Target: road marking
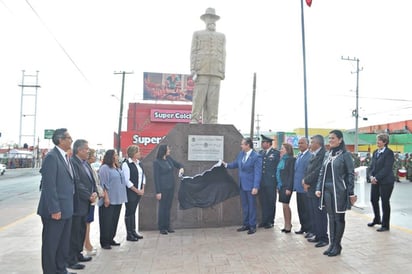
[(16, 221)]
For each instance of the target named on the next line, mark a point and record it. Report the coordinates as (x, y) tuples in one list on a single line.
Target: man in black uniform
[(267, 192)]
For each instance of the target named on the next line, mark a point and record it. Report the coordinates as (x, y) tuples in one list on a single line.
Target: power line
[(378, 98), (57, 41)]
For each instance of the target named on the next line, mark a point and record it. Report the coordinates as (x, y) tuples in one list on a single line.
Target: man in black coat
[(85, 193), (319, 217), (267, 192), (56, 204)]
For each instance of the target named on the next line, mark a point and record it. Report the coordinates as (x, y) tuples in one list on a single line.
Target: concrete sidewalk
[(223, 250)]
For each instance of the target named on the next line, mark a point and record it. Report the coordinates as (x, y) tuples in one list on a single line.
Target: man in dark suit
[(249, 165), (319, 219), (382, 182), (302, 199), (84, 194), (267, 191), (56, 204)]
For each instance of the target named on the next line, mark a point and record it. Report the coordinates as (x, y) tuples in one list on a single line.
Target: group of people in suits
[(323, 181), (69, 190)]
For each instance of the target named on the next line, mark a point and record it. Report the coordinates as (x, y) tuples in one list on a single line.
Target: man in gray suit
[(319, 219), (56, 204), (84, 194), (207, 66)]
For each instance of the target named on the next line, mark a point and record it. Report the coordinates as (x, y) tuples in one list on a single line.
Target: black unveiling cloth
[(213, 186)]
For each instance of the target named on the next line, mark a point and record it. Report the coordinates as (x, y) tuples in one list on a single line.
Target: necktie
[(69, 166), (299, 157), (87, 170)]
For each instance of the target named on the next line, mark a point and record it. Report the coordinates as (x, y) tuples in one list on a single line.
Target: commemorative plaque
[(205, 148)]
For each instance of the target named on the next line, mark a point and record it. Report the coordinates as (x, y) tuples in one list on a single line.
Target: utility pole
[(253, 107), (355, 113), (258, 124), (258, 130), (119, 130), (28, 89)]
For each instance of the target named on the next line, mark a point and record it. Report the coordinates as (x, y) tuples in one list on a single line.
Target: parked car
[(2, 169)]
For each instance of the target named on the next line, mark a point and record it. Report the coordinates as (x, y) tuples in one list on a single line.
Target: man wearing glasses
[(56, 203)]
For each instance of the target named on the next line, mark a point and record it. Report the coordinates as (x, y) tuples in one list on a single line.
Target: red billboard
[(167, 87), (148, 124)]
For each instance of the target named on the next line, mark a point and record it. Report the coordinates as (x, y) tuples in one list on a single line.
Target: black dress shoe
[(313, 240), (164, 232), (321, 244), (374, 223), (300, 232), (252, 230), (242, 228), (268, 226), (77, 266), (262, 225), (138, 236), (83, 258), (131, 238), (381, 229), (309, 235), (114, 243), (170, 230), (106, 247)]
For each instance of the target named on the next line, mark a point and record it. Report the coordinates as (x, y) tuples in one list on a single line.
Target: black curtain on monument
[(207, 189)]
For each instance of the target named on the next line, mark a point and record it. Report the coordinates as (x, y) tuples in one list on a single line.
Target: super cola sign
[(170, 115), (148, 124)]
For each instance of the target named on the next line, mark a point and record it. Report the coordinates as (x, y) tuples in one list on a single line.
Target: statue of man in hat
[(207, 66)]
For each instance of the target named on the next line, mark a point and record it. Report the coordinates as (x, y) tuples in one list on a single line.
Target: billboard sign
[(167, 87), (170, 115)]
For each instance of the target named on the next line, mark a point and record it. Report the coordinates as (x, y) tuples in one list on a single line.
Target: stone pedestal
[(227, 213)]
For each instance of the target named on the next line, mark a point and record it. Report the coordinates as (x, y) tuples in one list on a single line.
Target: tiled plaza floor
[(223, 250)]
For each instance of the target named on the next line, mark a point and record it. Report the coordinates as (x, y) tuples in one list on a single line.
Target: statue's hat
[(211, 13)]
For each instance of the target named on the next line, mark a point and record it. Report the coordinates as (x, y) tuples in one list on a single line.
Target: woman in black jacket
[(284, 176), (164, 179), (335, 188), (382, 181)]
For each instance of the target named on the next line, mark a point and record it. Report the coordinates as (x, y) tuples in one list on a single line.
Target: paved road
[(19, 194)]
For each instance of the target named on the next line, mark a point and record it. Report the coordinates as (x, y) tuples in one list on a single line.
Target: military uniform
[(408, 167), (267, 191), (396, 166), (356, 160), (367, 163)]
